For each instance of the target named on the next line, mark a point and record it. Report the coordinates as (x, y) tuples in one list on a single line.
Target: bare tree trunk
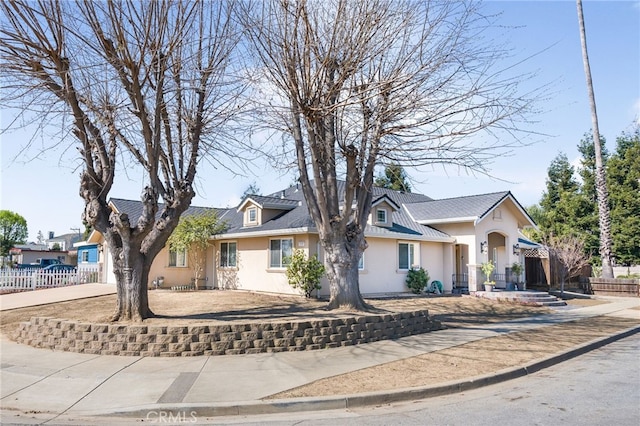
[(341, 263), (132, 284), (604, 218)]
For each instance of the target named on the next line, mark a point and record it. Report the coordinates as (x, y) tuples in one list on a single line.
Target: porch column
[(475, 277)]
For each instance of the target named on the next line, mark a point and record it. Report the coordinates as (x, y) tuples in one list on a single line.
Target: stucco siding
[(253, 271), (432, 260), (381, 274), (173, 276)]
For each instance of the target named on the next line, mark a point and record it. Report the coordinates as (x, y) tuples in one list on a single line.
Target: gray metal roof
[(473, 206), (133, 209), (271, 202), (410, 222), (403, 227)]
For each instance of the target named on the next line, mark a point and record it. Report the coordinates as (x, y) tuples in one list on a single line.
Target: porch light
[(483, 247), (516, 248)]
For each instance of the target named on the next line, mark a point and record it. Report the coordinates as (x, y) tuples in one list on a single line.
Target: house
[(31, 253), (63, 242), (449, 238)]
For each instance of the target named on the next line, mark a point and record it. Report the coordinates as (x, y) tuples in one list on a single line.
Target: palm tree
[(604, 218)]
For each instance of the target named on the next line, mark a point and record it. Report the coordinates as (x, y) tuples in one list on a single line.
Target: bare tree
[(141, 85), (358, 83), (569, 251), (604, 216)]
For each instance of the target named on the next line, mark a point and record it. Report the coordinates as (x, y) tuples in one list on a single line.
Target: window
[(406, 255), (228, 255), (280, 252), (361, 262), (252, 215), (382, 216), (85, 256), (178, 258)]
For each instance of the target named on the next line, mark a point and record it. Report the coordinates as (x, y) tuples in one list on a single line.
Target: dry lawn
[(464, 361), (467, 360), (217, 306)]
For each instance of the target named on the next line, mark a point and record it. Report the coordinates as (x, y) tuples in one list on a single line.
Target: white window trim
[(253, 210), (416, 255), (282, 266), (183, 264), (378, 211), (85, 253), (363, 264), (227, 266)]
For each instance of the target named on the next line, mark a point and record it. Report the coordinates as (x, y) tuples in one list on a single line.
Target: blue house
[(88, 255)]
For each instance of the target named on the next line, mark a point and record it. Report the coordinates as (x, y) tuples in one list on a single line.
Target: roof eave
[(265, 233), (448, 220)]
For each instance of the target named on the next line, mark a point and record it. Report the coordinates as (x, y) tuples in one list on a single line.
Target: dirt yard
[(236, 306), (467, 360)]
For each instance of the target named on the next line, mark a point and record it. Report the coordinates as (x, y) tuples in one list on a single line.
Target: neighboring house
[(64, 242), (449, 238), (30, 253), (91, 257)]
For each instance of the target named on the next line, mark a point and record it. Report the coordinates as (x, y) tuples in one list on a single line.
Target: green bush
[(303, 273), (417, 280)]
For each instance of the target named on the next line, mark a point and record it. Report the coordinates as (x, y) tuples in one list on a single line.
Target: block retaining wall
[(225, 339)]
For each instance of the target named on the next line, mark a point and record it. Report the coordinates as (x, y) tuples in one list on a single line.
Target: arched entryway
[(497, 253)]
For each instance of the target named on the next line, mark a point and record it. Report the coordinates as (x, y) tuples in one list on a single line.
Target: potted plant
[(516, 270), (487, 269)]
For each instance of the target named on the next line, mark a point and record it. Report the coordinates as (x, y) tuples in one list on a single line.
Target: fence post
[(33, 280)]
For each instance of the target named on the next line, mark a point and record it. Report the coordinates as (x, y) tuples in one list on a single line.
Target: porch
[(461, 282), (525, 297)]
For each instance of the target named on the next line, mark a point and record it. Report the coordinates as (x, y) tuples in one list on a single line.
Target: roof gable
[(385, 198), (472, 208), (269, 202)]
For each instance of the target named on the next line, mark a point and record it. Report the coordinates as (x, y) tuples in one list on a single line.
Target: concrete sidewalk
[(54, 295), (68, 384)]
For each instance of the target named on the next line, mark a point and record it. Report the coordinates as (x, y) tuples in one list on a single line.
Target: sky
[(43, 186)]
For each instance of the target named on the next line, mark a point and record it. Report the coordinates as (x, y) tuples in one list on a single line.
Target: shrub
[(516, 270), (304, 274), (417, 280)]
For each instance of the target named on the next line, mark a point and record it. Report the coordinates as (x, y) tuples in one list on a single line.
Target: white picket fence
[(14, 280)]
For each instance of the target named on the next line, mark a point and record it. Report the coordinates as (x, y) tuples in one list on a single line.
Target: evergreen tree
[(560, 180), (252, 189), (394, 178), (564, 210), (623, 172)]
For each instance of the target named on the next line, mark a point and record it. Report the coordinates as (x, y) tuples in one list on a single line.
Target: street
[(601, 387)]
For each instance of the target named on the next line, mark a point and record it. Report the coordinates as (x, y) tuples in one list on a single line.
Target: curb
[(371, 398)]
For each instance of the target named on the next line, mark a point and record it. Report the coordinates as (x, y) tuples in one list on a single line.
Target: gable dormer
[(258, 210), (382, 210)]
